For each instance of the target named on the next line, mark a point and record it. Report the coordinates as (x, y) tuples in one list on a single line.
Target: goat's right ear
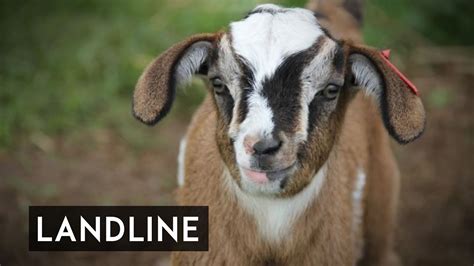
[(155, 89), (402, 110)]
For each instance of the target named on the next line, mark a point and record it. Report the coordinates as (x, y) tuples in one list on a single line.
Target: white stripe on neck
[(275, 216)]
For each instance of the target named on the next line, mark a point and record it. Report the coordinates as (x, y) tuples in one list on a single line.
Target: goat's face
[(280, 86), (276, 78)]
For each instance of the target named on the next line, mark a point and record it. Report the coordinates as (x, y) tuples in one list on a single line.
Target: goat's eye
[(331, 91), (219, 87)]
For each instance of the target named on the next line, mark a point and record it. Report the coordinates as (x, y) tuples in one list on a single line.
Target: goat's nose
[(267, 146)]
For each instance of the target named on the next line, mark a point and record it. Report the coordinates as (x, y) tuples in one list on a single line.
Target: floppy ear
[(155, 89), (402, 110)]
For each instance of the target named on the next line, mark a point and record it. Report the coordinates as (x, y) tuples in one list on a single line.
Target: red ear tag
[(386, 56)]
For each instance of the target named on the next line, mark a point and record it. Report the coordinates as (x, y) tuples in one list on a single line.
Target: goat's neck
[(275, 217)]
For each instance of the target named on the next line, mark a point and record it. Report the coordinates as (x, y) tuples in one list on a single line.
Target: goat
[(294, 164)]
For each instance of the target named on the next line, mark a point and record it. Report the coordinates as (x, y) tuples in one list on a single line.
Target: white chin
[(272, 187)]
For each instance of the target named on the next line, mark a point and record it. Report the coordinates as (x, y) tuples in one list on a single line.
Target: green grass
[(69, 65), (66, 66), (402, 22)]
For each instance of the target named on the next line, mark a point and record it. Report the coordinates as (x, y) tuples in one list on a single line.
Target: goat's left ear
[(155, 89), (402, 110)]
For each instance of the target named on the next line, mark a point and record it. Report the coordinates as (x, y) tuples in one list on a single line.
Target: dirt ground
[(436, 217)]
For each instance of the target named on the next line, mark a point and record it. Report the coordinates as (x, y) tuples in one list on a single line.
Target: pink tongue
[(257, 177)]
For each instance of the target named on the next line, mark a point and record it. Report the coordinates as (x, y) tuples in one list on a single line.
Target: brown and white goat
[(293, 162)]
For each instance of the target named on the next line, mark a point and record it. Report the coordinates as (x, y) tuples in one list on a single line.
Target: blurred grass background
[(67, 66)]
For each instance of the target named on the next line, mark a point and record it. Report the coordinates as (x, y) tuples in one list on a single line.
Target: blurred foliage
[(440, 98), (406, 21), (70, 65)]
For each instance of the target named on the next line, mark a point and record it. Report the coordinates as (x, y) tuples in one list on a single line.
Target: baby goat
[(293, 162)]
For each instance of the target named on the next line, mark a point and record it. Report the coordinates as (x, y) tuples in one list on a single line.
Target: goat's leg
[(381, 206)]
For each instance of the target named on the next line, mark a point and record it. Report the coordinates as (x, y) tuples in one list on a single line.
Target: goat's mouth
[(267, 176)]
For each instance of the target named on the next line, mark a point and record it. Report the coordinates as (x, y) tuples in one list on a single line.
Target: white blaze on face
[(257, 124), (264, 40)]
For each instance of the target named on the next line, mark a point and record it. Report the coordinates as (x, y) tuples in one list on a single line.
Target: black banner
[(118, 228)]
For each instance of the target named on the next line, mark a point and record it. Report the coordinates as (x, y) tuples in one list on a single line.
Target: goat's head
[(280, 86)]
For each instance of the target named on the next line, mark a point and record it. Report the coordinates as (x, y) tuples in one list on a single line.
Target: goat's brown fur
[(154, 91), (403, 112), (323, 234), (337, 18)]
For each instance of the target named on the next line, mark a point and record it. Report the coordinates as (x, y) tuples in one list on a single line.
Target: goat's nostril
[(267, 146)]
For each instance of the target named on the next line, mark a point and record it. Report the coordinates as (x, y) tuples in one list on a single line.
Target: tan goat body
[(289, 149)]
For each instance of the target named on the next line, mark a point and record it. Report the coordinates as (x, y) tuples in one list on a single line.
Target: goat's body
[(294, 164), (348, 217)]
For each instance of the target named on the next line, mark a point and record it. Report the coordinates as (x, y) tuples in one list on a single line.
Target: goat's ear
[(402, 110), (155, 89)]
